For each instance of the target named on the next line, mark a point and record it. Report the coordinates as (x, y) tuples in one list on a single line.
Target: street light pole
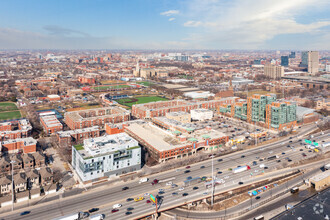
[(12, 184)]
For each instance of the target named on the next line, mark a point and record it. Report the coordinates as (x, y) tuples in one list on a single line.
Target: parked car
[(125, 188), (114, 210)]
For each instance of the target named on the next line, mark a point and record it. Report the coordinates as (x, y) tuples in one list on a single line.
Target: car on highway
[(205, 193), (114, 210), (301, 149), (304, 155), (254, 163), (278, 161), (240, 183), (116, 206), (283, 153), (242, 156), (219, 160), (130, 208), (174, 185), (148, 201), (169, 183), (202, 167), (138, 199), (187, 167), (219, 172), (258, 197), (181, 188), (128, 213), (189, 178), (25, 212), (195, 187), (187, 171), (184, 194), (125, 188), (155, 181), (129, 199), (93, 210), (174, 194)]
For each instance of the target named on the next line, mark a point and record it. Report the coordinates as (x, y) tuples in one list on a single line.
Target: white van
[(143, 180), (262, 165), (116, 206), (96, 217)]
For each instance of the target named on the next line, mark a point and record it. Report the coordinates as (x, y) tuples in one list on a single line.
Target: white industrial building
[(198, 94), (106, 156), (201, 114)]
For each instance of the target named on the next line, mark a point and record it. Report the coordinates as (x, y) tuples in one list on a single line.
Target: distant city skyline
[(165, 24)]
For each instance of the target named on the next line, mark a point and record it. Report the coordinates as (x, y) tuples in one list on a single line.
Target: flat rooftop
[(51, 121), (27, 141), (106, 144), (320, 176), (316, 207), (163, 140)]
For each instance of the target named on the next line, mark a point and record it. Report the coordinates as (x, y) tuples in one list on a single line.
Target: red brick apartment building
[(51, 124), (67, 138), (15, 129), (86, 80), (157, 109), (26, 145), (95, 117)]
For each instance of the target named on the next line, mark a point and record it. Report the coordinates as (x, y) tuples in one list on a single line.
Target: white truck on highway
[(241, 169), (74, 216), (143, 180), (327, 166), (96, 217)]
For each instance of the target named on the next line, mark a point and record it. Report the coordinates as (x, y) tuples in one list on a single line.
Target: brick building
[(86, 80), (51, 124), (67, 138), (26, 145), (95, 117), (157, 109), (15, 129)]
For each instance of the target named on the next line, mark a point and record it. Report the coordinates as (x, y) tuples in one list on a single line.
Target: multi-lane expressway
[(105, 197)]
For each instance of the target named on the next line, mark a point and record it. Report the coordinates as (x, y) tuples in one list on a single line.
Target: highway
[(105, 197)]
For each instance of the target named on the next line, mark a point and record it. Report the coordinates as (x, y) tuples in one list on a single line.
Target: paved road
[(105, 197), (247, 204)]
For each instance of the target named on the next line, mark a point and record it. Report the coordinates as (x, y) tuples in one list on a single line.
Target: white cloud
[(192, 23), (171, 19), (250, 23), (170, 12)]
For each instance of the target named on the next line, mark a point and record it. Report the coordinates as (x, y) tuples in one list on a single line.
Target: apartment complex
[(66, 138), (102, 157), (86, 80), (263, 110), (273, 71), (25, 145), (157, 109), (51, 124), (15, 129), (95, 117)]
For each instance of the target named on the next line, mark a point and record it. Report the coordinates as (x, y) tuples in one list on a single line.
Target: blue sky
[(164, 24)]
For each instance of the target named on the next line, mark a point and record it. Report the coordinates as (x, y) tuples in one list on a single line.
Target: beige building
[(321, 180), (274, 72), (149, 72), (313, 62), (323, 103), (183, 117)]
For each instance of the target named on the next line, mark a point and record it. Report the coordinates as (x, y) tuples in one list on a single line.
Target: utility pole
[(212, 197)]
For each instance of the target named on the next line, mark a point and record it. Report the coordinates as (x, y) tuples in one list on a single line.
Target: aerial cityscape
[(165, 109)]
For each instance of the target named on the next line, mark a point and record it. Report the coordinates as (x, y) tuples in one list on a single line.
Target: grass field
[(7, 106), (110, 87), (10, 115), (144, 83), (140, 100)]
